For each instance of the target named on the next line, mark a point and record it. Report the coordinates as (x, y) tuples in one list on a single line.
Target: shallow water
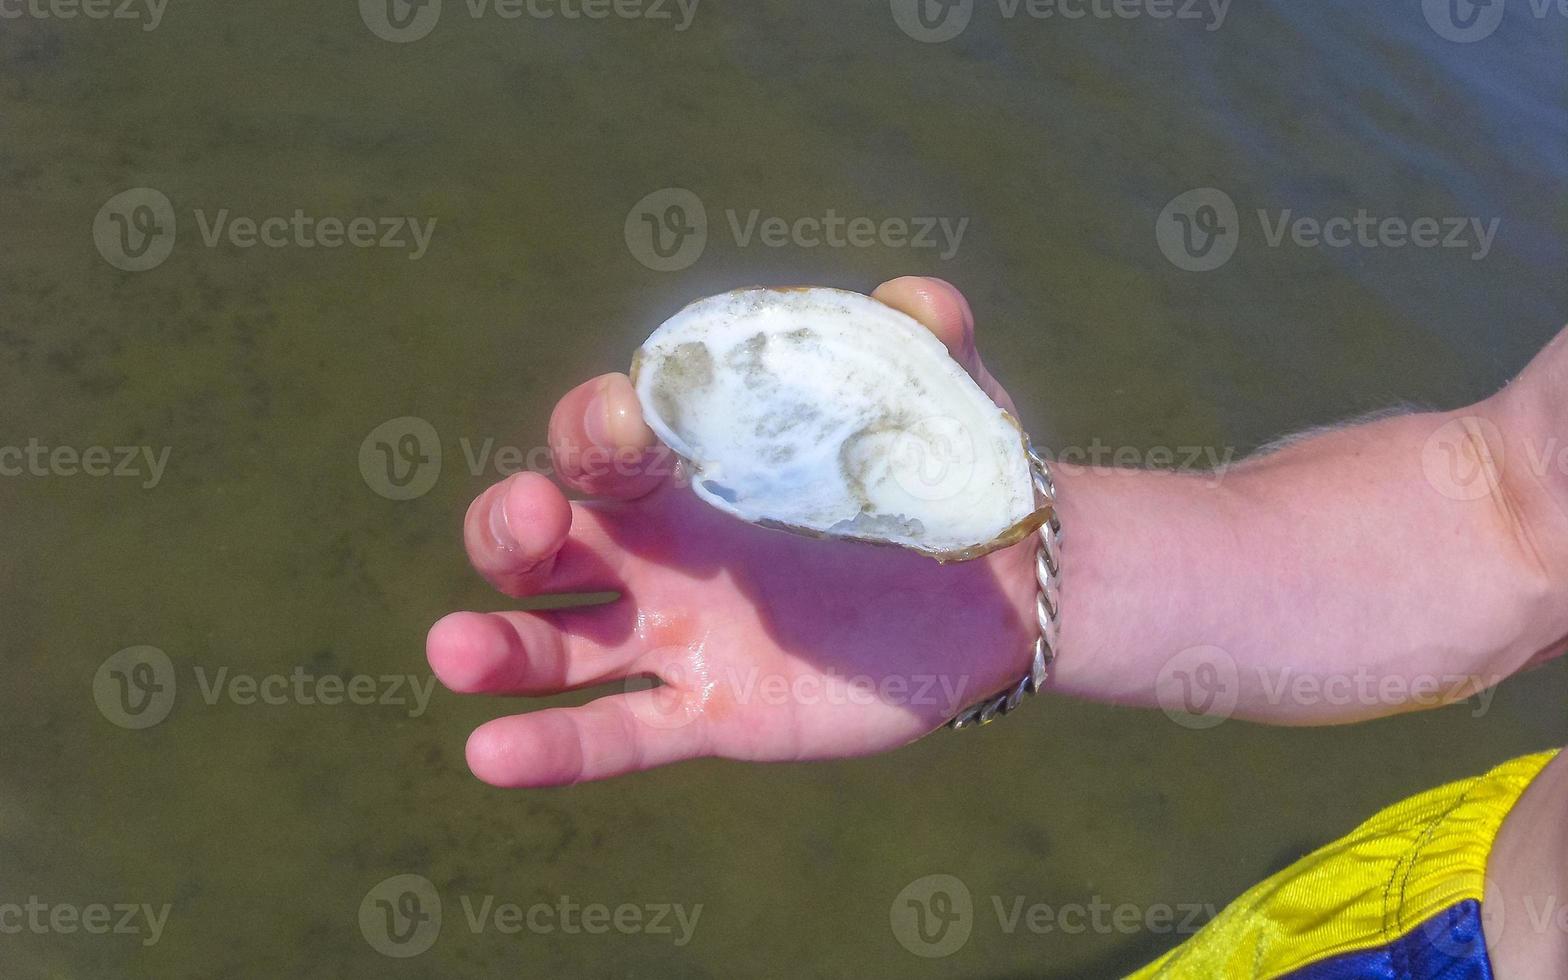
[(265, 547)]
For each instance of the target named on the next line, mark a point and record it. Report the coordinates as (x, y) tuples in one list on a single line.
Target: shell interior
[(825, 412)]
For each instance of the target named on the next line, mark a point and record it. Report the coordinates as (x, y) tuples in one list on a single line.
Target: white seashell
[(825, 412)]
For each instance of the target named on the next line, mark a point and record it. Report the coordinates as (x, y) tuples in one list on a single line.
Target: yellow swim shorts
[(1399, 897)]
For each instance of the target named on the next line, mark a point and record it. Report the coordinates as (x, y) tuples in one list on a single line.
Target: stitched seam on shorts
[(1401, 882)]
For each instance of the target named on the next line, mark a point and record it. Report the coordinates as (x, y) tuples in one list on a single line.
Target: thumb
[(940, 308)]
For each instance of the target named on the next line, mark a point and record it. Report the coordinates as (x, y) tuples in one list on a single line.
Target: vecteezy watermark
[(931, 459), (691, 683), (402, 21), (1199, 687), (1545, 913), (668, 230), (1466, 458), (567, 917), (302, 687), (1463, 21), (1468, 21), (402, 458), (135, 230), (136, 688), (143, 463), (1463, 458), (43, 918), (934, 916), (148, 13), (1202, 686), (936, 21), (1212, 462), (936, 458), (401, 917), (1199, 231)]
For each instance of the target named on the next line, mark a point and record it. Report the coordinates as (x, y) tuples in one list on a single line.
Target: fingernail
[(627, 428), (596, 418), (500, 528)]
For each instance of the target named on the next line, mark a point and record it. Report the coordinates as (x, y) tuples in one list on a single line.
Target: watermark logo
[(1199, 687), (673, 700), (404, 458), (933, 916), (1099, 917), (43, 918), (401, 458), (402, 233), (400, 21), (566, 916), (932, 460), (135, 687), (687, 683), (1101, 459), (301, 687), (148, 12), (1367, 231), (933, 21), (936, 21), (135, 229), (400, 916), (1462, 938), (1463, 21), (1198, 230), (1463, 457), (667, 230), (36, 459)]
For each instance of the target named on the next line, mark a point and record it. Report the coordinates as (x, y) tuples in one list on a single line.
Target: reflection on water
[(264, 549)]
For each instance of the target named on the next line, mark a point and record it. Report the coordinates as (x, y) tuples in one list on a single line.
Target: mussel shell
[(827, 413)]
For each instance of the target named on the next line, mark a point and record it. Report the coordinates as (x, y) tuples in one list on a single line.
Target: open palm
[(764, 645)]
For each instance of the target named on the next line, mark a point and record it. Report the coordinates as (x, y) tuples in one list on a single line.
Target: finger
[(525, 537), (940, 308), (560, 746), (524, 653), (600, 443)]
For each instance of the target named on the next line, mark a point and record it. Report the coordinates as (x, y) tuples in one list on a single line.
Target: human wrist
[(1527, 499), (1032, 570), (1136, 546)]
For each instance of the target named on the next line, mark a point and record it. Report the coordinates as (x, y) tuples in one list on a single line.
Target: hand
[(768, 646)]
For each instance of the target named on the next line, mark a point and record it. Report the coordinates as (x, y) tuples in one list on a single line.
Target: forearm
[(1345, 577)]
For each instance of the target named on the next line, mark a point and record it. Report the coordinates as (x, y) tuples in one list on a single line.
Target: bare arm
[(1374, 569), (1379, 568)]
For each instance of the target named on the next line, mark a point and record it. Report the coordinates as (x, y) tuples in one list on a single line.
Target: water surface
[(265, 549)]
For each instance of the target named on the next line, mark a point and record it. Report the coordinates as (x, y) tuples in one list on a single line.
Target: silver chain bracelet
[(1047, 607)]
